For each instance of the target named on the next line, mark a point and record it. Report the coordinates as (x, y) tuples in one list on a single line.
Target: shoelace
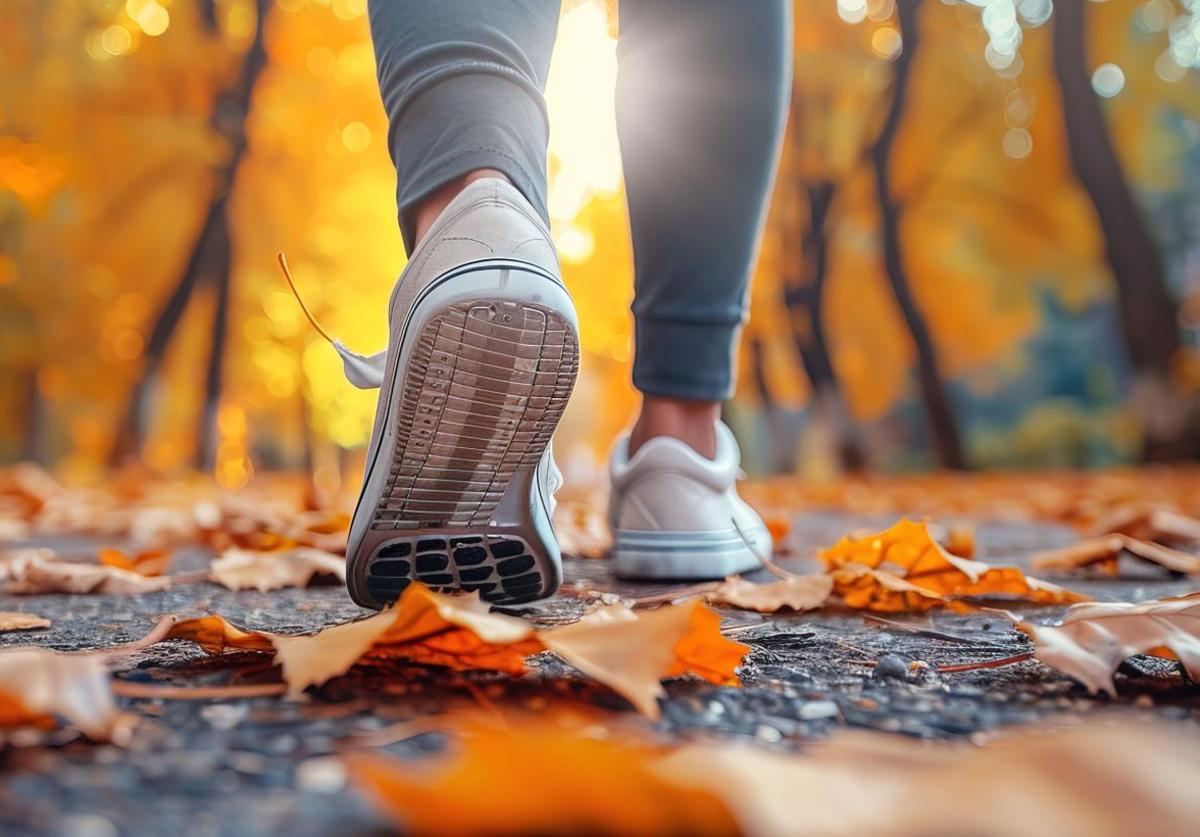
[(363, 371), (366, 372)]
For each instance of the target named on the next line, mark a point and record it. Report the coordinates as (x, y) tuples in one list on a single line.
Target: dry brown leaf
[(562, 784), (1101, 780), (797, 592), (909, 552), (39, 571), (10, 621), (38, 685), (1096, 637), (461, 632), (632, 652), (242, 569), (1148, 522), (146, 562), (1105, 553)]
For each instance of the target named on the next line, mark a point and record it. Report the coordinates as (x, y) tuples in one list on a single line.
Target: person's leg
[(462, 85), (483, 343), (702, 92)]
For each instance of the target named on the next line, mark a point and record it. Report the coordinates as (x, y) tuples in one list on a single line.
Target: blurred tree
[(943, 425), (209, 262), (1149, 315)]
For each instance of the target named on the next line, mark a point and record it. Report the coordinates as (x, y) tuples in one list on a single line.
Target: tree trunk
[(210, 260), (1149, 317), (206, 434), (33, 441), (943, 427), (805, 304)]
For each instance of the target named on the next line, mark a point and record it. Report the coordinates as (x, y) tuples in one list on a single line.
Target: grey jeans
[(702, 92)]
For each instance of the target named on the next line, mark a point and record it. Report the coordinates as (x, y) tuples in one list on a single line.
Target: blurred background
[(983, 250)]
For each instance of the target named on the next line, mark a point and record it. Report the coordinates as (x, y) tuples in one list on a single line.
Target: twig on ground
[(1003, 661), (125, 688), (157, 634), (917, 631)]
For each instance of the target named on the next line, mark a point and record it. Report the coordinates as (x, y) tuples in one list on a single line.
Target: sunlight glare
[(586, 159)]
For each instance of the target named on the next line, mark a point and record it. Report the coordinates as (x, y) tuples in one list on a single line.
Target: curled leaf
[(797, 592), (38, 685), (1095, 638), (1105, 553), (243, 569), (38, 571)]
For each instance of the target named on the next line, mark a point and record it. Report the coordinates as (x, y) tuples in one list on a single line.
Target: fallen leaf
[(1105, 553), (1106, 780), (150, 562), (863, 588), (538, 781), (39, 571), (216, 636), (242, 569), (670, 641), (1103, 780), (460, 632), (797, 592), (425, 627), (38, 685), (21, 621), (1095, 638), (1149, 523), (908, 552)]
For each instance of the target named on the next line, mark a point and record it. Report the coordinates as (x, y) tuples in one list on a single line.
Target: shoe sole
[(689, 556), (453, 496)]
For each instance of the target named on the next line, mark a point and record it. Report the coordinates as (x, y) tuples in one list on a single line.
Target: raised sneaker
[(481, 359)]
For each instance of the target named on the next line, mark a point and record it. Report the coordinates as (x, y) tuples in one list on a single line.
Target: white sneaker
[(675, 514), (483, 353)]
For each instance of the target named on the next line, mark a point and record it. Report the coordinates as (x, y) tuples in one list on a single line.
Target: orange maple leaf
[(905, 568)]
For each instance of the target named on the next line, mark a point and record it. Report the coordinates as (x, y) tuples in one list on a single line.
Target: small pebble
[(225, 716), (324, 774), (890, 667), (817, 709), (87, 825), (768, 733)]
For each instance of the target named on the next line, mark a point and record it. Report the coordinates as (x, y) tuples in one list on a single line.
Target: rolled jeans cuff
[(464, 119), (688, 360)]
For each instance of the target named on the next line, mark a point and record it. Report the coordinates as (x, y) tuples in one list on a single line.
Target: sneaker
[(481, 359), (676, 514)]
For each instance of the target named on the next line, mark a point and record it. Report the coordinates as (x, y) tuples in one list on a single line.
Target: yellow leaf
[(907, 552)]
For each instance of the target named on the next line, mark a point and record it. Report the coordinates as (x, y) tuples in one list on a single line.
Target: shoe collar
[(665, 453)]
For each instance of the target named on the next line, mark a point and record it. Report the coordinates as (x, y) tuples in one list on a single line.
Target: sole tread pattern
[(485, 386)]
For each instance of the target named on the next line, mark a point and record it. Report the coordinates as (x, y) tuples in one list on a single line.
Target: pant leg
[(462, 84), (702, 90)]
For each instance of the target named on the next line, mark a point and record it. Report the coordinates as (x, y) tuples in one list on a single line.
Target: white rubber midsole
[(688, 555)]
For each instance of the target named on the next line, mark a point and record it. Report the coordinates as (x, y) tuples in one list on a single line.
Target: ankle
[(691, 422), (426, 211)]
